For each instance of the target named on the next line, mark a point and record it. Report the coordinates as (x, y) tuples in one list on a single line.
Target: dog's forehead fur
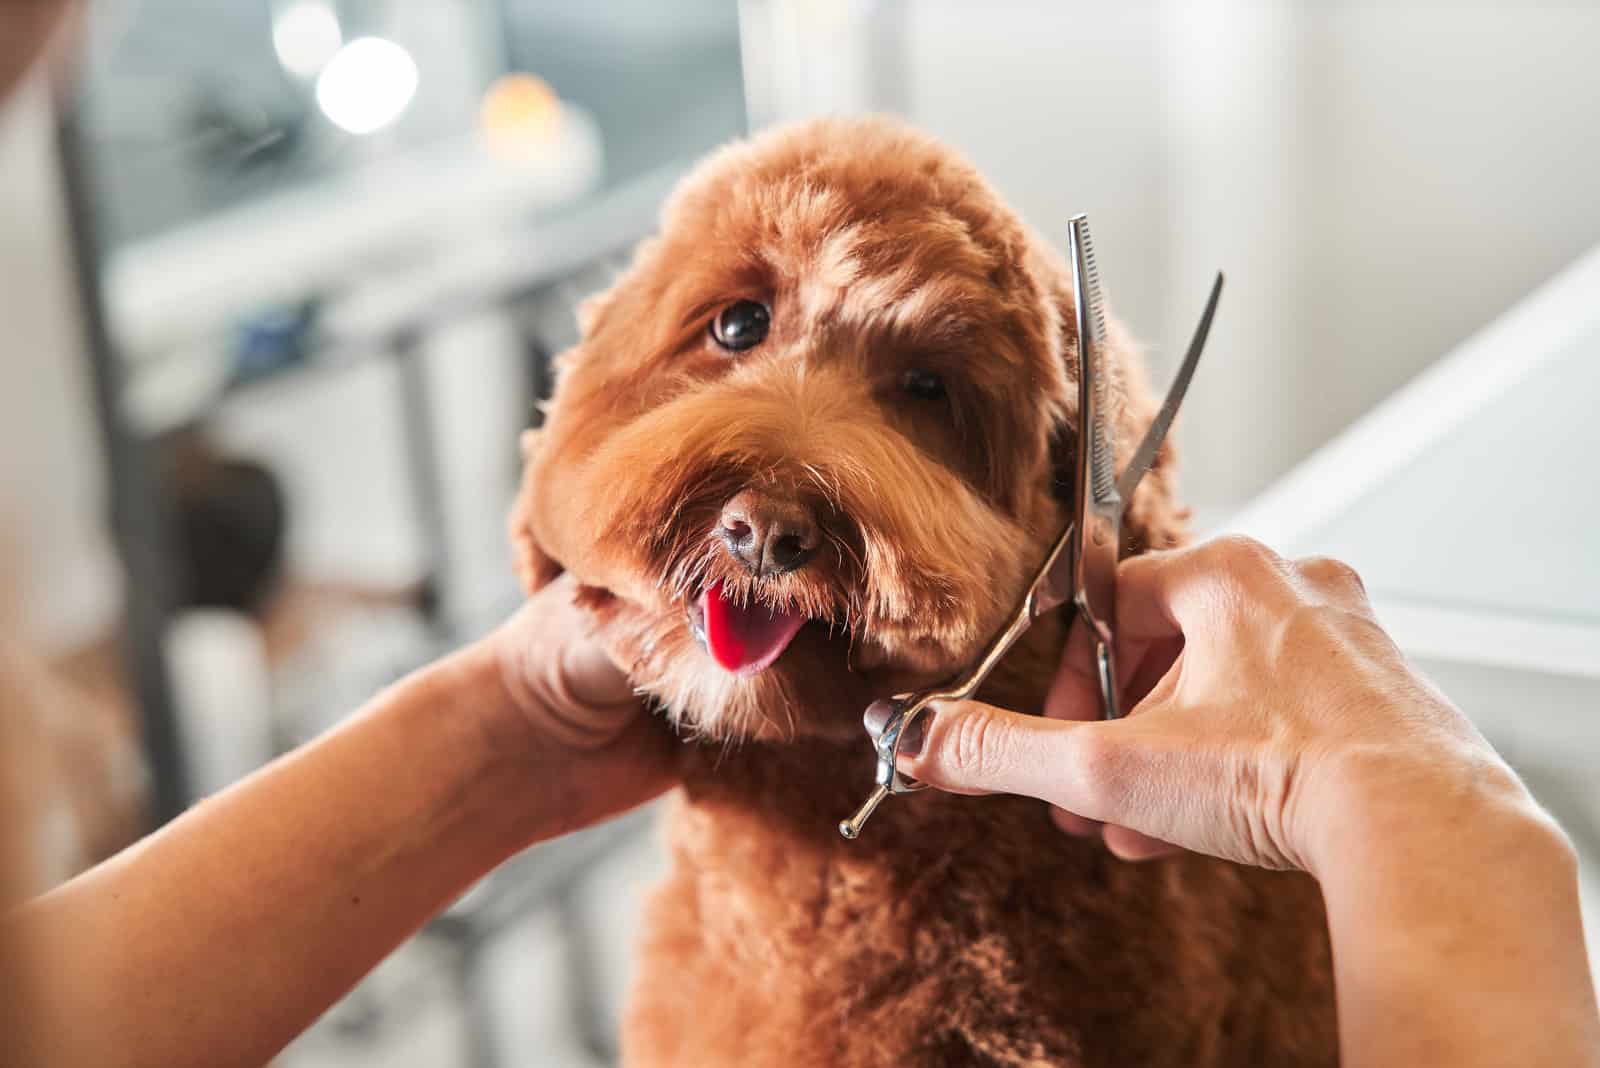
[(875, 226), (858, 229)]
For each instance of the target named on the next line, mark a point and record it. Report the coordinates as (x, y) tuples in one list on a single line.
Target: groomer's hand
[(592, 748), (1273, 722), (1269, 712)]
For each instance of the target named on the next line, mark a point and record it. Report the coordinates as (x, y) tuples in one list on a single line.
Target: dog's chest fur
[(956, 931)]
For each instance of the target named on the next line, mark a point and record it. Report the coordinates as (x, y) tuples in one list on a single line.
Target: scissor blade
[(1094, 488), (1145, 454), (1095, 435)]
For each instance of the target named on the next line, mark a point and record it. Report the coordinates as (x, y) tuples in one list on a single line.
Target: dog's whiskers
[(843, 548)]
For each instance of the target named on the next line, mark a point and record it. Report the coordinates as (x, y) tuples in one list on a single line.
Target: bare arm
[(217, 940), (1458, 939), (1276, 724)]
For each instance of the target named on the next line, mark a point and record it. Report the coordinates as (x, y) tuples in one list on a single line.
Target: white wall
[(1456, 165), (52, 500), (1379, 179)]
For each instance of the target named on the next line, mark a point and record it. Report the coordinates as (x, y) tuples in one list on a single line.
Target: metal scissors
[(1080, 568)]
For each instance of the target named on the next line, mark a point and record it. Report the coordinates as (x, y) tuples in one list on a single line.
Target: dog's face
[(810, 446)]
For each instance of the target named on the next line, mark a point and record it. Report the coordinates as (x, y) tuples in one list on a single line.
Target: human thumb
[(583, 697), (969, 747), (590, 676)]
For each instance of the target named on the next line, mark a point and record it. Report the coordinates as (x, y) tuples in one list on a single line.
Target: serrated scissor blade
[(1098, 537)]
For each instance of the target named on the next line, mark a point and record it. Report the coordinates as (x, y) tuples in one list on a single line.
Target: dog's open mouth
[(744, 638)]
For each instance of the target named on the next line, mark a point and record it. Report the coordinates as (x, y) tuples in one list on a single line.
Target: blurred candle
[(519, 115)]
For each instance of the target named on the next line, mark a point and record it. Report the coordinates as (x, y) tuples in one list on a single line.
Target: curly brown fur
[(957, 931)]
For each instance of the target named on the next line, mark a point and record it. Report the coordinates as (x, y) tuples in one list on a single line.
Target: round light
[(306, 34), (519, 115), (367, 85)]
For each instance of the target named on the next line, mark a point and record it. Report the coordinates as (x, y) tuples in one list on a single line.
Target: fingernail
[(876, 717), (915, 734), (912, 737)]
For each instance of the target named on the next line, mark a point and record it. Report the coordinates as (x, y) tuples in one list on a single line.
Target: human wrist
[(1456, 805), (466, 703), (550, 759), (1462, 906)]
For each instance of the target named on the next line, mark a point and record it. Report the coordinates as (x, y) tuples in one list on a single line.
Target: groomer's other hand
[(1269, 713), (567, 710)]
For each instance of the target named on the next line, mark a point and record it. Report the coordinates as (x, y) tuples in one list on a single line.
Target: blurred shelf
[(358, 325), (1500, 639), (281, 248)]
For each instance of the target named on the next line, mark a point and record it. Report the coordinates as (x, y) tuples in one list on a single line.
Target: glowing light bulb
[(367, 85), (519, 115), (306, 34)]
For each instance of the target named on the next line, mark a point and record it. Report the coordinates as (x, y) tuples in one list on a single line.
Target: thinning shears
[(1081, 567)]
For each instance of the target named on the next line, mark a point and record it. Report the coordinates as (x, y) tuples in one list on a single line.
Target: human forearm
[(217, 940), (1458, 941)]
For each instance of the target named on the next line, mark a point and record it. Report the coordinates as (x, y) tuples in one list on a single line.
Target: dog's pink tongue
[(746, 639)]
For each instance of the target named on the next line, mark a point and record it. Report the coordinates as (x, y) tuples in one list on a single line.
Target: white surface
[(1469, 500), (336, 443), (1235, 82), (1555, 646), (223, 694), (1544, 327)]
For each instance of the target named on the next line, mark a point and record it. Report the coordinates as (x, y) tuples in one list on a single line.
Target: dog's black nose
[(768, 534)]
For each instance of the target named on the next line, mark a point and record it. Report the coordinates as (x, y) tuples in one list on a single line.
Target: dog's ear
[(534, 566), (1154, 519)]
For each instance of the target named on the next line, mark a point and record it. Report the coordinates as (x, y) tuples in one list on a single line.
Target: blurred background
[(280, 281)]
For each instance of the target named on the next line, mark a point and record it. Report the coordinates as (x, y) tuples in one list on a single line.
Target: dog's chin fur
[(883, 258), (820, 672)]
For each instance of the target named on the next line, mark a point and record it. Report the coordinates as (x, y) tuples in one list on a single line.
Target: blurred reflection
[(366, 85)]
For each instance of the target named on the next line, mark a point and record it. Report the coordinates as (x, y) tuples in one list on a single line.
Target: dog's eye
[(741, 325), (923, 385)]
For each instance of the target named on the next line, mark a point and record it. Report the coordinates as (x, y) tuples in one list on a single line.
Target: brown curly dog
[(806, 454)]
